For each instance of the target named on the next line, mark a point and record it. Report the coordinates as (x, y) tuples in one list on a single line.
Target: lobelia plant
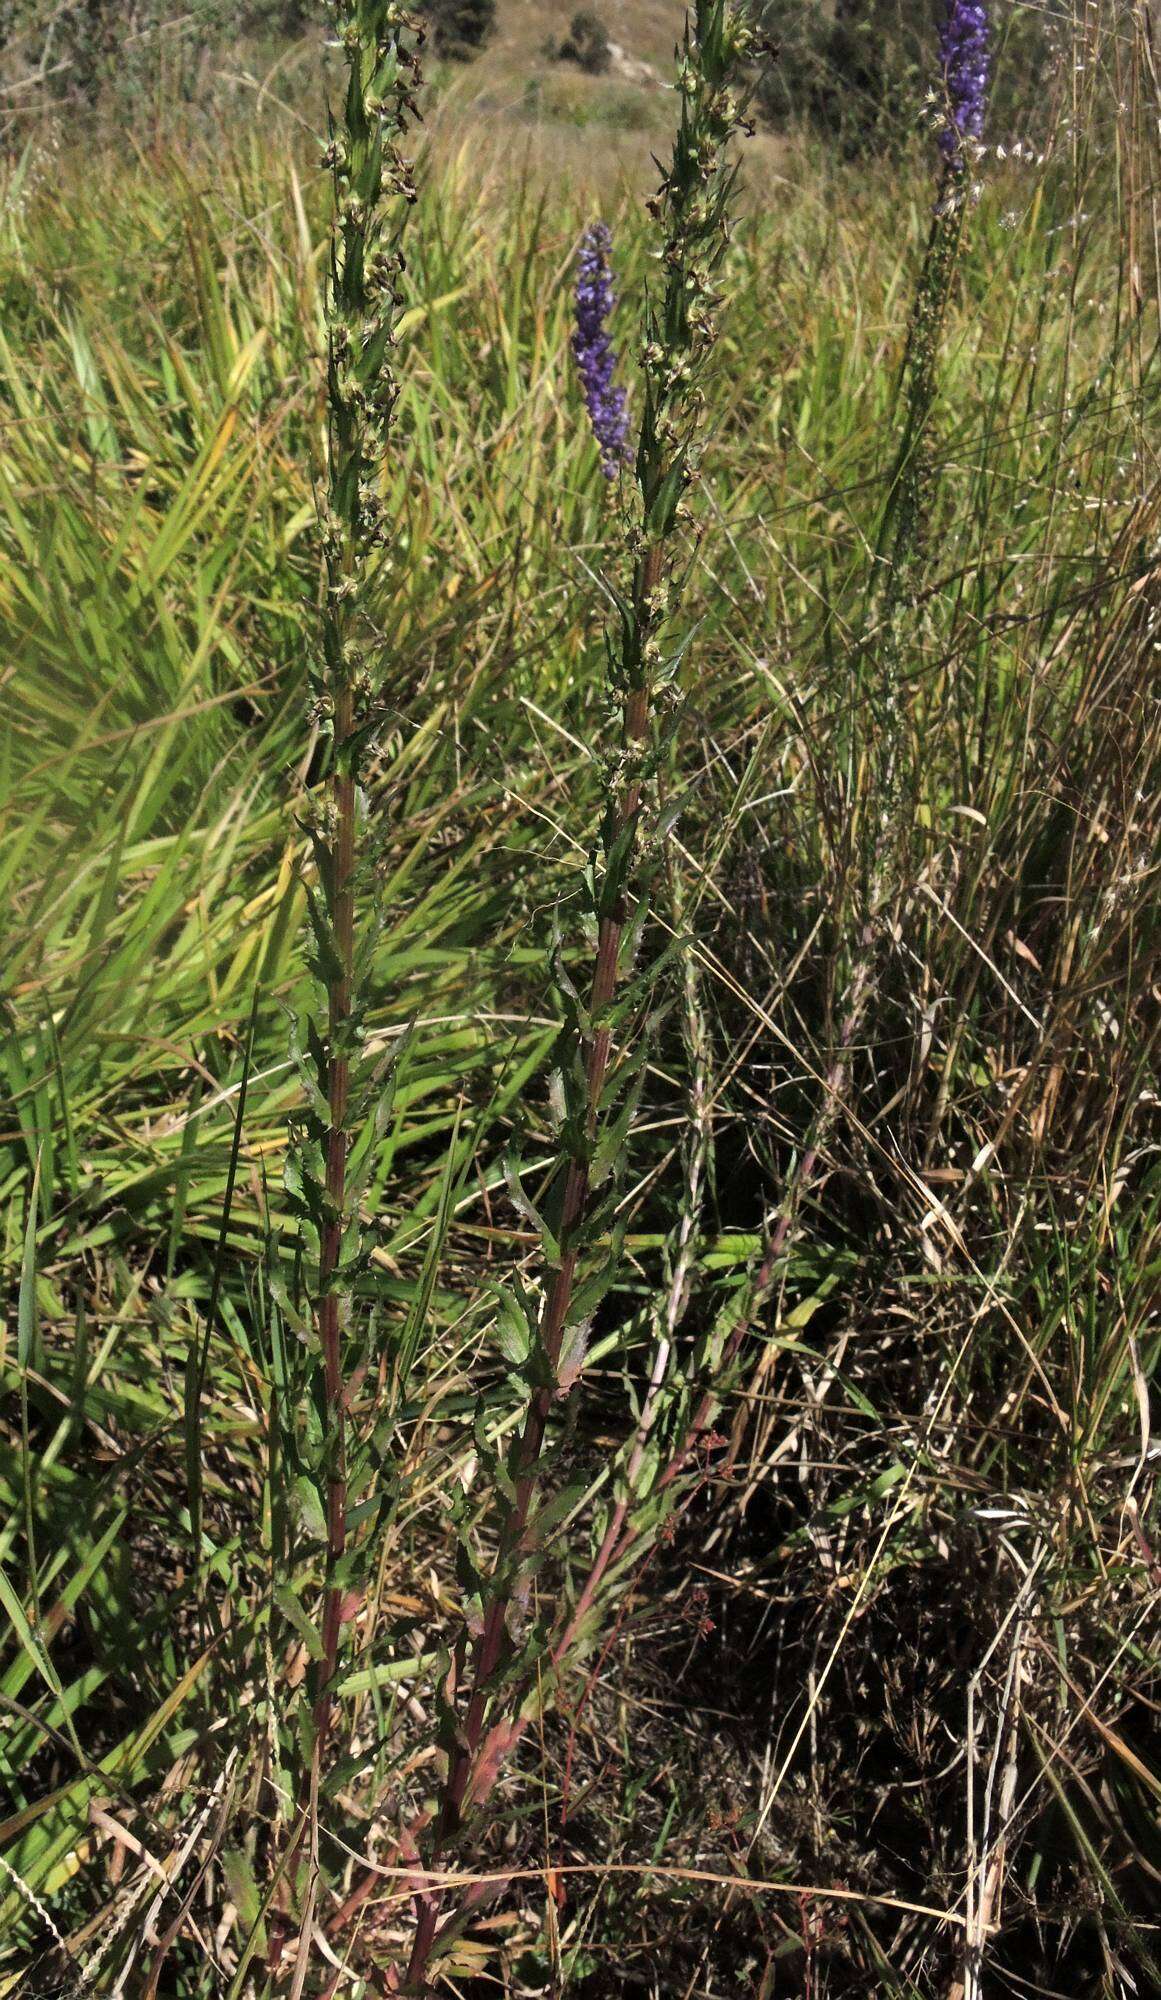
[(605, 1036), (347, 1096), (965, 64), (964, 58)]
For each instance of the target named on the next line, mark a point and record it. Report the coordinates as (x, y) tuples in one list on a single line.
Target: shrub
[(587, 44), (460, 27)]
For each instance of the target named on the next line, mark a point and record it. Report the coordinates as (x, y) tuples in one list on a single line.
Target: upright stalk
[(332, 1304), (379, 40), (344, 1097), (901, 524), (964, 63), (693, 207)]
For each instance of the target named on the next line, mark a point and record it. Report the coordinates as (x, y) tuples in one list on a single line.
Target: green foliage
[(943, 1480)]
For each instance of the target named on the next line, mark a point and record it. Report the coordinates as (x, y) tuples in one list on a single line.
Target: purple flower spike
[(963, 46), (594, 350)]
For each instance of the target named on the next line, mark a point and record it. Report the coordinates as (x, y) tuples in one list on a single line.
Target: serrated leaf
[(328, 964), (527, 1208), (292, 1610), (561, 1504), (310, 1507), (514, 1334)]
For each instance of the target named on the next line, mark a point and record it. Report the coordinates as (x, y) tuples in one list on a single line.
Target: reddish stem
[(328, 1318), (478, 1754), (620, 1535), (491, 1644), (329, 1326)]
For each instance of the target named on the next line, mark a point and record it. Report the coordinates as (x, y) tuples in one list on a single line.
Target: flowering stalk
[(965, 66), (964, 62), (964, 52), (547, 1346), (593, 350), (345, 1101)]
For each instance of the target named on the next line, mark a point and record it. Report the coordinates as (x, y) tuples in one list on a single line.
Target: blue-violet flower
[(963, 47), (593, 349)]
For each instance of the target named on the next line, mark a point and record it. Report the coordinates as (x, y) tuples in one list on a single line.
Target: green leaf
[(27, 1316), (515, 1333), (290, 1605), (310, 1507)]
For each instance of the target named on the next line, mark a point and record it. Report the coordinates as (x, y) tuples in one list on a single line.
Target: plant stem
[(329, 1319), (901, 523), (344, 1095), (555, 1315), (620, 1534), (694, 203)]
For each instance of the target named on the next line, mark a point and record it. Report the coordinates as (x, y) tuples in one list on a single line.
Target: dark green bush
[(586, 44), (460, 27)]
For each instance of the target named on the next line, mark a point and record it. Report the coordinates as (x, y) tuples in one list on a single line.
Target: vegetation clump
[(579, 844), (586, 44), (460, 27)]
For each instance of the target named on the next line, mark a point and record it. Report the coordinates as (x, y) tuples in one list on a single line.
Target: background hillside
[(857, 76), (154, 59)]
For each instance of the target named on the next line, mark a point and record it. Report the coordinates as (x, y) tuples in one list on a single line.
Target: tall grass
[(928, 1545)]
